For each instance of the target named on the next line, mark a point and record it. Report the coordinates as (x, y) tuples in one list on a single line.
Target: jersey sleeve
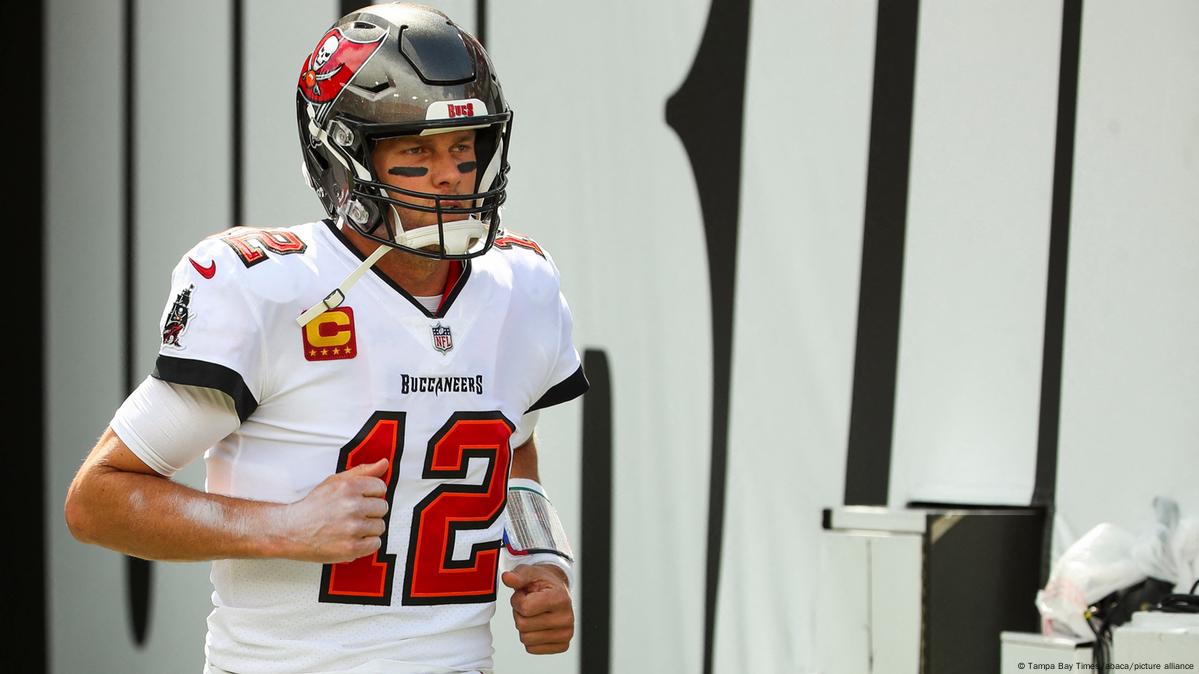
[(212, 335), (566, 380), (169, 425)]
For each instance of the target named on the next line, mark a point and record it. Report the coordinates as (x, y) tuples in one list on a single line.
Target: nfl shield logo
[(443, 341)]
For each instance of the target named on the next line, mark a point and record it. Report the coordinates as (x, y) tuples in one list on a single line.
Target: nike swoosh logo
[(206, 272)]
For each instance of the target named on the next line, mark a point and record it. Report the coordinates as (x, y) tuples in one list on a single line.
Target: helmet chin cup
[(460, 236)]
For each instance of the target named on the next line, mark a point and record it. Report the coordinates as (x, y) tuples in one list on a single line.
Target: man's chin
[(445, 219)]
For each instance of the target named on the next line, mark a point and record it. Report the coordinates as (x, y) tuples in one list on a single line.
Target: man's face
[(442, 163)]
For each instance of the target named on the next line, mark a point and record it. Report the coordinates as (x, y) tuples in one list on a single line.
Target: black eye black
[(408, 171)]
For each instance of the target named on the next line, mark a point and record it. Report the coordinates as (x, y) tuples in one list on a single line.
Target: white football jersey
[(440, 394)]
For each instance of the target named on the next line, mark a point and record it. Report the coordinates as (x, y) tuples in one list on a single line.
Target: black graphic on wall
[(25, 564), (481, 22), (347, 6), (138, 572), (1045, 486), (706, 112), (872, 415), (480, 31), (237, 53), (595, 572)]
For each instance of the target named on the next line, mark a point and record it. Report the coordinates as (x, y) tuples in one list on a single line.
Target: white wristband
[(514, 557)]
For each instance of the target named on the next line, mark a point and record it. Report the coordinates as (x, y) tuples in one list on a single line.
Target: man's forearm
[(118, 501), (154, 518), (524, 460)]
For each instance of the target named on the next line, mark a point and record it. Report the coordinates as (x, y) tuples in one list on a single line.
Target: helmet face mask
[(396, 70)]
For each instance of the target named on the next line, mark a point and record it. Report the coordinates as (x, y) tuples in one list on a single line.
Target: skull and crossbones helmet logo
[(328, 47), (319, 60), (334, 61)]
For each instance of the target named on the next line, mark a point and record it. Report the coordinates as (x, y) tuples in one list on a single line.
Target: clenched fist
[(341, 519), (541, 607)]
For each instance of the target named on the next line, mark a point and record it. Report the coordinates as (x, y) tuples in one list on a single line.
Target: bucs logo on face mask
[(333, 63)]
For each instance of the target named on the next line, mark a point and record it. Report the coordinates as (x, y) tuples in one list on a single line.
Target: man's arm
[(541, 601), (524, 460), (119, 502)]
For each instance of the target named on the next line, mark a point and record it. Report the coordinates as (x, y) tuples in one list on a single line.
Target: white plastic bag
[(1096, 565), (1170, 551)]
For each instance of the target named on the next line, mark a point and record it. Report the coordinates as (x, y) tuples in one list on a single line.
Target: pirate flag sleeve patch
[(210, 333)]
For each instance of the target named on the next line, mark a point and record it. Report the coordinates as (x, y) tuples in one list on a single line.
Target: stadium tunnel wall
[(604, 182)]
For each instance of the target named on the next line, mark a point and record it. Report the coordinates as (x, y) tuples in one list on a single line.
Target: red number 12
[(433, 576)]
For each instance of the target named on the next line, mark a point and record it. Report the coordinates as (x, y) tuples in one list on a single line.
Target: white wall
[(83, 169), (601, 181), (275, 193), (972, 324), (1130, 371), (803, 196)]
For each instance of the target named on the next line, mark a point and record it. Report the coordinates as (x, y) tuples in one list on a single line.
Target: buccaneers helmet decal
[(333, 63)]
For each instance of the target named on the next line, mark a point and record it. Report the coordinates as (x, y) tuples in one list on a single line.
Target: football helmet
[(392, 70)]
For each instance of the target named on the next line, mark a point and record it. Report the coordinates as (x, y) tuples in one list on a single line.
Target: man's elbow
[(77, 512)]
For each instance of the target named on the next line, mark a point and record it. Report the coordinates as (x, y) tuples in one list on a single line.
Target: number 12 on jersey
[(433, 575)]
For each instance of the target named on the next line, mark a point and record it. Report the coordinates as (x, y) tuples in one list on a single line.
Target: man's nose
[(445, 171)]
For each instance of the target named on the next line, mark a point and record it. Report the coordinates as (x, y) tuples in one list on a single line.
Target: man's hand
[(541, 607), (341, 519)]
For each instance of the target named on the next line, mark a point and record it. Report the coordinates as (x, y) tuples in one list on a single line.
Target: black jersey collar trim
[(568, 389), (191, 372), (445, 305)]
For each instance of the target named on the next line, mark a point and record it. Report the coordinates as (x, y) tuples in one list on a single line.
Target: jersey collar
[(459, 274)]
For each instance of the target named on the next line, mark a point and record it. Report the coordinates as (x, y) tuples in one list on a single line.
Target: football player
[(363, 388)]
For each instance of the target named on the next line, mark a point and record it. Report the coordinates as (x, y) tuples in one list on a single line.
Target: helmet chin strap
[(335, 298)]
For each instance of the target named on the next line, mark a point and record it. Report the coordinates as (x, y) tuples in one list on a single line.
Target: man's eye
[(413, 150), (462, 147)]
